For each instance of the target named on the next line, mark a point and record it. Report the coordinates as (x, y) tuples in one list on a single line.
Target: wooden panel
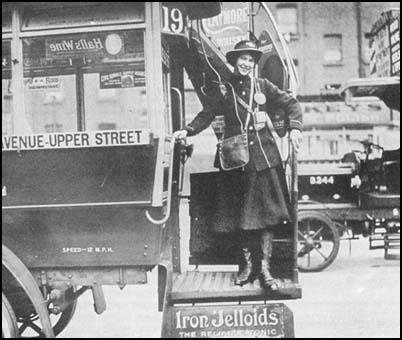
[(82, 237), (219, 286), (82, 175)]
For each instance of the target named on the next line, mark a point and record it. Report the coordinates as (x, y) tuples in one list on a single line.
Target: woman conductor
[(264, 199)]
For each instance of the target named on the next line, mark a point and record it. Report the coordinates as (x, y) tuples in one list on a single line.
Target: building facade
[(330, 42)]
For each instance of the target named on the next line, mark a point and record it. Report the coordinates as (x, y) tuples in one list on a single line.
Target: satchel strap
[(248, 107), (236, 97), (249, 110)]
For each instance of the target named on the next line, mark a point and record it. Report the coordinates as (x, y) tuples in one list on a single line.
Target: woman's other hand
[(296, 138)]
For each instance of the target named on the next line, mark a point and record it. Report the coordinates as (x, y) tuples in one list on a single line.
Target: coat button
[(243, 93), (251, 143), (241, 82), (251, 128)]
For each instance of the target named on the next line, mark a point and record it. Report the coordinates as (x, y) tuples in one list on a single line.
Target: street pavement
[(357, 296)]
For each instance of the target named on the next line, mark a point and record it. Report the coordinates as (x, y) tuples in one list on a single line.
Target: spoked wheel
[(24, 279), (30, 328), (29, 325), (9, 327), (318, 241)]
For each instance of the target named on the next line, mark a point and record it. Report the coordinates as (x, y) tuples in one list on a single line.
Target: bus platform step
[(209, 286)]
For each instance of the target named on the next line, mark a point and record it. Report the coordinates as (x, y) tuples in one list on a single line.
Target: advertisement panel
[(230, 26), (231, 321)]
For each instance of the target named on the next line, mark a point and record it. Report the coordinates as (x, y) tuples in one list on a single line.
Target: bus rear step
[(209, 286)]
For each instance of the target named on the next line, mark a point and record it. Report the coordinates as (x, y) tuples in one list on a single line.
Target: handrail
[(294, 193), (182, 124), (182, 118), (169, 192)]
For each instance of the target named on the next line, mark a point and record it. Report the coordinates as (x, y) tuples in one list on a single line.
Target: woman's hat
[(244, 46)]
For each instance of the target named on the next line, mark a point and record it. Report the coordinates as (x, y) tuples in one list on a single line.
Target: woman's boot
[(245, 270), (267, 280)]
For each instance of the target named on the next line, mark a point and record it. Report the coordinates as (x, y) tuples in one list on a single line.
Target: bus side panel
[(81, 237), (76, 176)]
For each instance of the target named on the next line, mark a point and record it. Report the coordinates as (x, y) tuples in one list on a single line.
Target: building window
[(333, 147), (332, 49), (286, 16)]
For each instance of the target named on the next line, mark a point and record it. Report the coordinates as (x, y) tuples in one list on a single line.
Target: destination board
[(67, 140)]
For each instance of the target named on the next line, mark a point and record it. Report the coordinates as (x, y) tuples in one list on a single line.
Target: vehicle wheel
[(14, 269), (28, 322), (318, 241), (29, 329), (9, 327)]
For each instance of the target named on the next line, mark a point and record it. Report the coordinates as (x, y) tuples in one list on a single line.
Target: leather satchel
[(234, 152)]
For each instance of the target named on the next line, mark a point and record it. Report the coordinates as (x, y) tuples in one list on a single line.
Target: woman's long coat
[(255, 197)]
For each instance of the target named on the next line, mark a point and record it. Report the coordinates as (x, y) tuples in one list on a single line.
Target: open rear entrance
[(214, 207), (216, 254)]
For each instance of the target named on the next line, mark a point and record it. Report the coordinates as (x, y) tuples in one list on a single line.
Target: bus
[(92, 178)]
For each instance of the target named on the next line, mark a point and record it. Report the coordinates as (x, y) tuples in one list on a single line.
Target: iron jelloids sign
[(231, 321)]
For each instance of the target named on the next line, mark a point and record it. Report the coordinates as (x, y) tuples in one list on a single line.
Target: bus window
[(5, 21), (86, 81), (6, 95), (49, 90), (120, 106), (69, 14), (166, 102), (50, 103), (114, 86)]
